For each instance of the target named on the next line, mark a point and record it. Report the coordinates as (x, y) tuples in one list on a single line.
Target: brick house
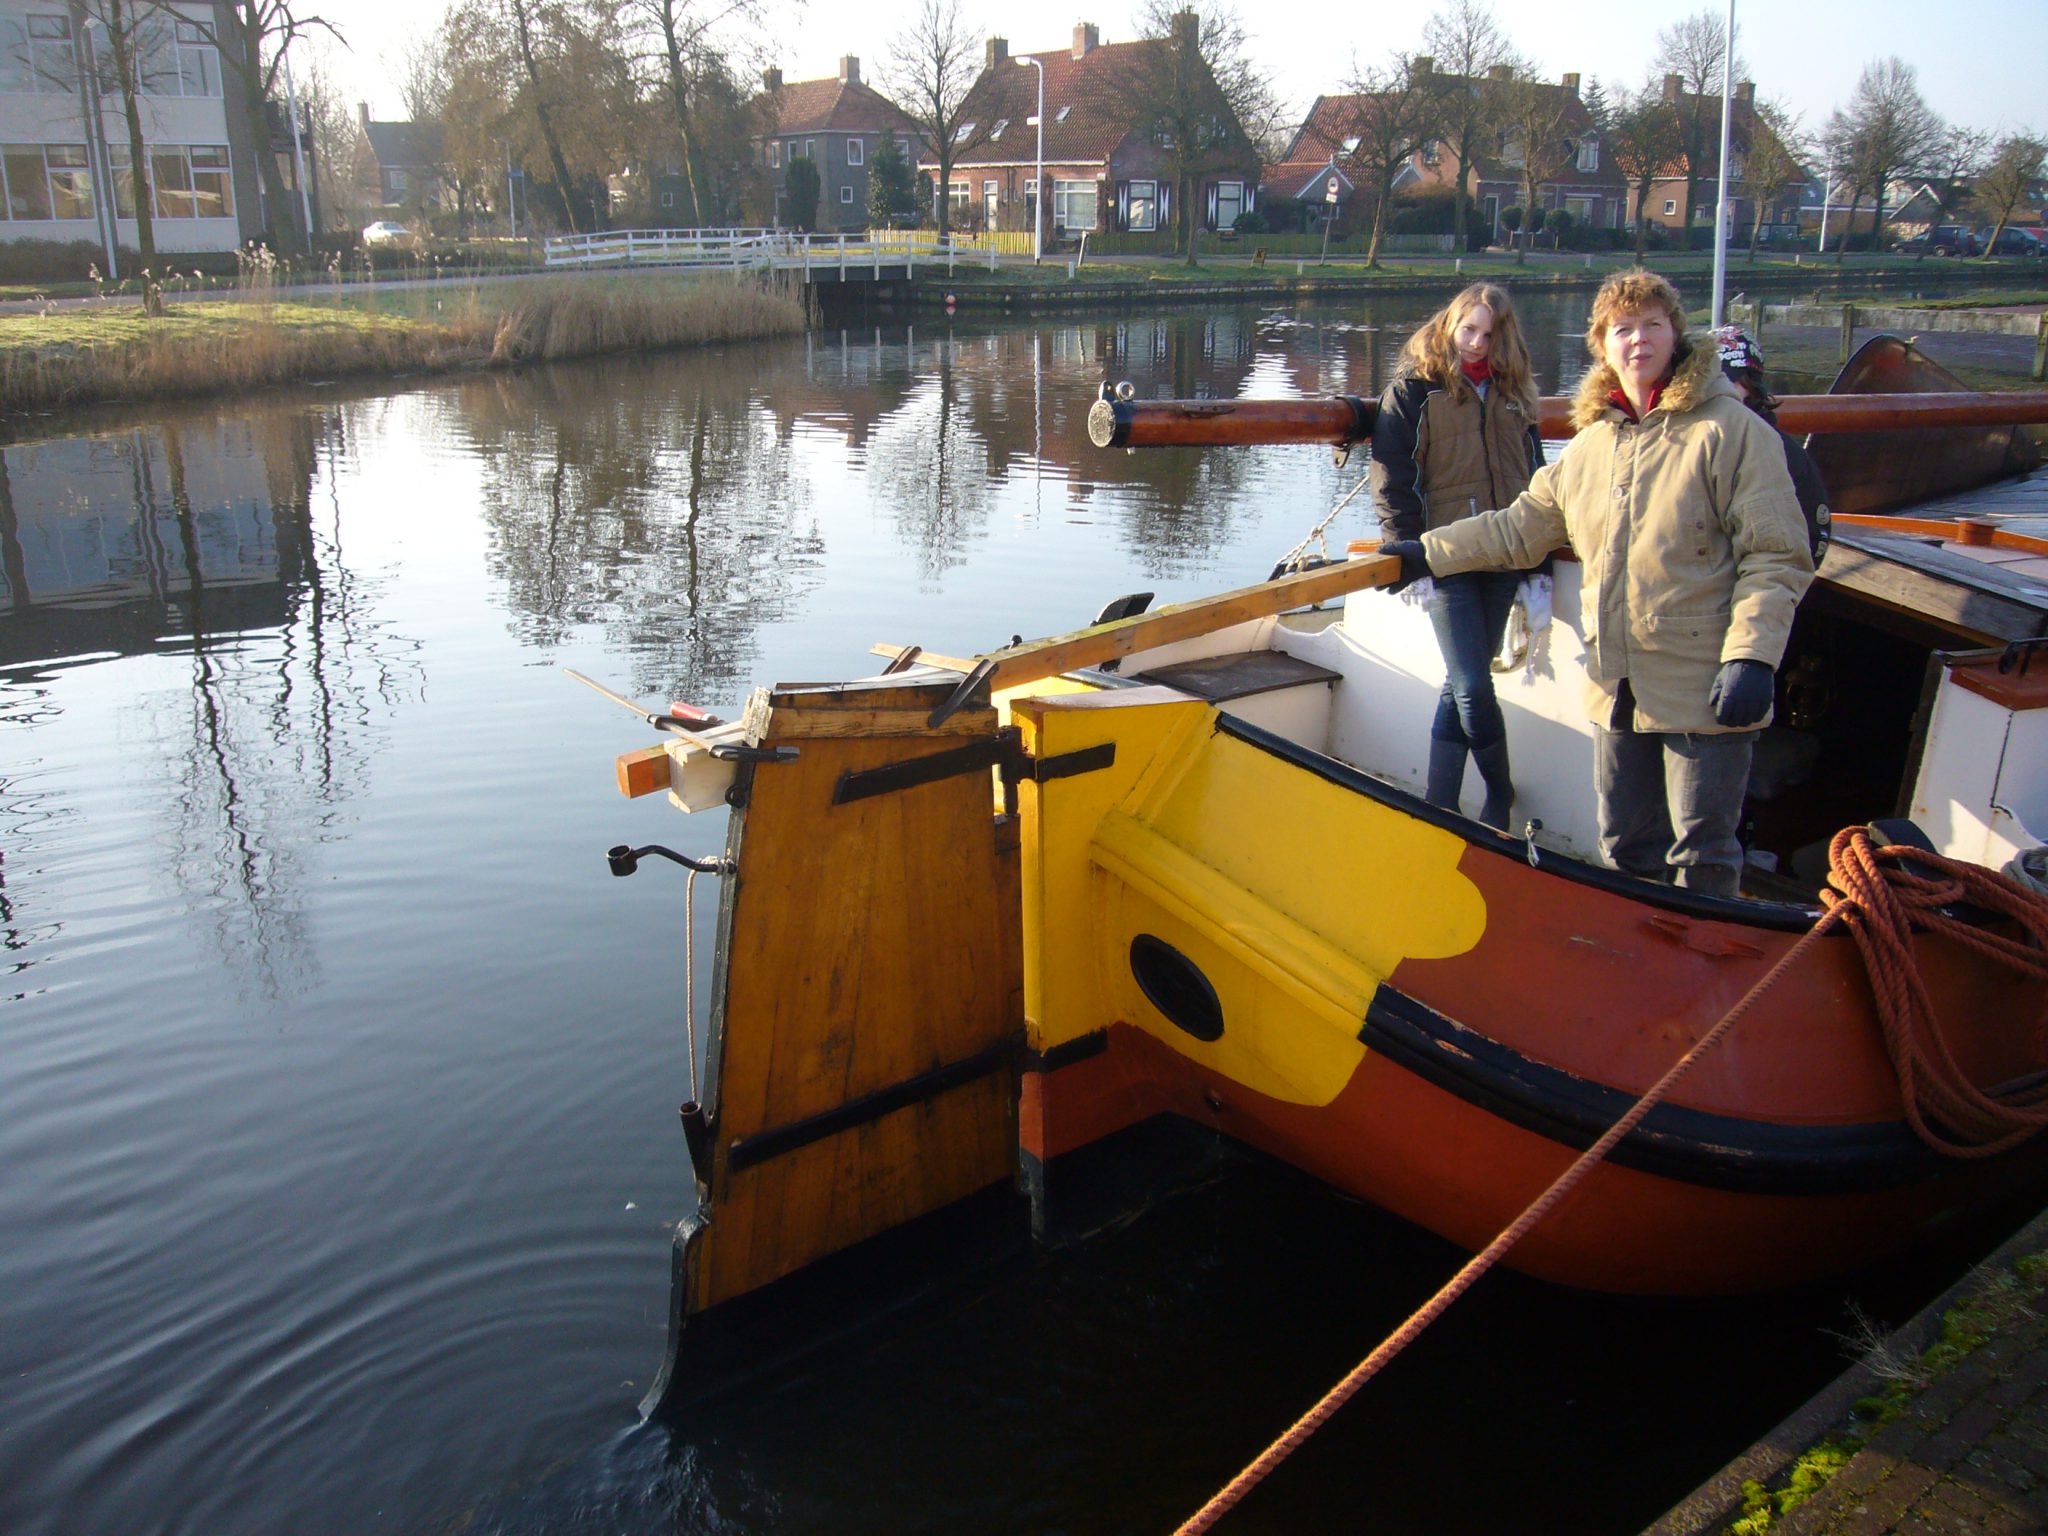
[(1593, 190), (1667, 192), (408, 166), (1294, 190), (1106, 172), (839, 125)]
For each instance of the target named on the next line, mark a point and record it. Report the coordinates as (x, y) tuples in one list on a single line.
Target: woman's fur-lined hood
[(1697, 379)]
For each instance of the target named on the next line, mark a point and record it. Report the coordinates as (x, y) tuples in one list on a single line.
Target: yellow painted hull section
[(1294, 896)]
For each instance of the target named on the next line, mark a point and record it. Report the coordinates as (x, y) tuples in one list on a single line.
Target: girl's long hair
[(1432, 352)]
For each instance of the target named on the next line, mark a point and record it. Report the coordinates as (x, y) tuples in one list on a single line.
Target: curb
[(1719, 1499)]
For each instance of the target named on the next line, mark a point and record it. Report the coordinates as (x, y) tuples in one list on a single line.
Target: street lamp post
[(1721, 208), (1038, 193)]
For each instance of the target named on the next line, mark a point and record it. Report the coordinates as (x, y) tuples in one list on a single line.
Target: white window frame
[(810, 148), (1670, 207), (668, 199), (1066, 196), (775, 154), (856, 152), (846, 193), (997, 131), (1237, 188), (1589, 153)]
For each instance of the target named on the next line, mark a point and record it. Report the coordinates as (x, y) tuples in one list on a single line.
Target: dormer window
[(960, 134), (997, 131), (1349, 146), (1061, 115)]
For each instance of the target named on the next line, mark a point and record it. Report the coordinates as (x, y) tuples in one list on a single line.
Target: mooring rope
[(1315, 534), (690, 979), (1876, 893)]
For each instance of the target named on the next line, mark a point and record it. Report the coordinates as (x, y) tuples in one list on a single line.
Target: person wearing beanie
[(1456, 434), (1694, 555), (1742, 361)]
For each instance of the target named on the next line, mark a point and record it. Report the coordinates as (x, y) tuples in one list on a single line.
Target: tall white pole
[(1721, 209), (1038, 197), (291, 105), (1827, 202)]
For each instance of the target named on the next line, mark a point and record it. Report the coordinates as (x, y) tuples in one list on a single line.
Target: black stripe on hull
[(1691, 1146)]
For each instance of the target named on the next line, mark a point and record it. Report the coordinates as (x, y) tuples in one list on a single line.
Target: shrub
[(1559, 222), (1511, 218), (802, 185), (1251, 222)]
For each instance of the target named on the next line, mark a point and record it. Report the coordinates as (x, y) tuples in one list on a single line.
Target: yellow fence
[(1005, 242)]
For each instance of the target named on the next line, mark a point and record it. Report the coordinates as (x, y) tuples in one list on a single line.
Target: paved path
[(1967, 1454)]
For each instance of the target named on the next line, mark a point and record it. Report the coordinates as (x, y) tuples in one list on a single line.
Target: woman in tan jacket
[(1675, 497)]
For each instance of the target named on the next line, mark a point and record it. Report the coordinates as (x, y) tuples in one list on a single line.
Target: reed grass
[(256, 340)]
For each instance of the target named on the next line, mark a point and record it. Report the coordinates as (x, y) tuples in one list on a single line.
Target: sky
[(1985, 65)]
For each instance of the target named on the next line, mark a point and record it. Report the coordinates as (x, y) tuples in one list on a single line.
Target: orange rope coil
[(1883, 894)]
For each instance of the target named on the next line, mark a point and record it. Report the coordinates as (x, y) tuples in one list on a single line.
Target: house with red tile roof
[(1105, 169), (1666, 202), (839, 124), (1592, 189)]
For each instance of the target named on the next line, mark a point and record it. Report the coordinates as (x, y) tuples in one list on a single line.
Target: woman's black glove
[(1414, 567), (1742, 692)]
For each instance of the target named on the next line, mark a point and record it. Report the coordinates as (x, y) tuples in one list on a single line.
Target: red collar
[(1616, 397), (1478, 372)]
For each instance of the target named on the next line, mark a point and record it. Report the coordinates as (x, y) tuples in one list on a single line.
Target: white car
[(389, 233)]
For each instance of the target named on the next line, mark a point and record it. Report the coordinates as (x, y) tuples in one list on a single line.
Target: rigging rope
[(1882, 895), (1315, 534)]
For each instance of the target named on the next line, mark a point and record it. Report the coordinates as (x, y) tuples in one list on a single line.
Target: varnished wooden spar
[(1337, 419)]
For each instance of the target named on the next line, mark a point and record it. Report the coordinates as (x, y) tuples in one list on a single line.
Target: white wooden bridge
[(869, 257)]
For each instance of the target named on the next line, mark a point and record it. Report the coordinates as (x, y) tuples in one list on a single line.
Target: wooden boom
[(1340, 419)]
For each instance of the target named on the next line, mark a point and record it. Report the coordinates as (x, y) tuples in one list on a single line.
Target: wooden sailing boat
[(990, 919)]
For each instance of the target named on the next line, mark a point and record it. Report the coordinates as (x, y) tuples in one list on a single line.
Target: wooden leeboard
[(870, 943)]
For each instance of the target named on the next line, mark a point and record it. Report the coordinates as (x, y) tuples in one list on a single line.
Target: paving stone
[(1960, 1435), (1996, 1460), (1953, 1506)]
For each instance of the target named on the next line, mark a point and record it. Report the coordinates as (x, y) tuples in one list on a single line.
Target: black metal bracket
[(1064, 765), (2019, 655), (624, 859), (745, 1152), (979, 754), (740, 752)]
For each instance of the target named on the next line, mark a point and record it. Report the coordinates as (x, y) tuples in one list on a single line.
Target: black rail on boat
[(1690, 1145), (1778, 916)]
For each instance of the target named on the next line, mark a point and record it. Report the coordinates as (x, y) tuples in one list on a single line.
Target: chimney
[(1745, 93), (998, 51), (1187, 29), (1570, 84), (1421, 65), (1671, 88), (1501, 72), (771, 80), (1087, 38), (849, 69)]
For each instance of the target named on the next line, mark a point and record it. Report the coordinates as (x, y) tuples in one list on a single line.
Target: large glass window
[(28, 182), (1143, 206), (51, 55), (856, 152), (16, 74), (1589, 153), (119, 162), (175, 59), (70, 181), (959, 198), (192, 181), (1073, 204)]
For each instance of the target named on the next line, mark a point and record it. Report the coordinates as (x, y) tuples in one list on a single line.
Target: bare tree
[(1198, 93), (1694, 50), (1395, 113), (130, 31), (1955, 159), (252, 42), (1889, 129), (2015, 166), (931, 67), (1466, 41), (1536, 128), (690, 43), (1643, 138), (1771, 167), (339, 146)]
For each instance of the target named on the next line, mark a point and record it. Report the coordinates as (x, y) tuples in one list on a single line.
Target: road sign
[(1330, 192)]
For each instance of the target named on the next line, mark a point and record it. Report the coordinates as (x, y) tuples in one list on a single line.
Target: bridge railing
[(737, 248), (777, 249)]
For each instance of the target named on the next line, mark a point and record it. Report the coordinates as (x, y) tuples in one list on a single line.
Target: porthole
[(1176, 987)]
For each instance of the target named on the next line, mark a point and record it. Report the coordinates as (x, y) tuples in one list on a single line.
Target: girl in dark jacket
[(1456, 434)]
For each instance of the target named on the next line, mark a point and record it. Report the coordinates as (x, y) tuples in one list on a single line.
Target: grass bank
[(101, 352)]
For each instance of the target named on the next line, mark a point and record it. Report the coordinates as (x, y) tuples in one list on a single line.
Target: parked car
[(2014, 242), (1942, 240), (390, 235)]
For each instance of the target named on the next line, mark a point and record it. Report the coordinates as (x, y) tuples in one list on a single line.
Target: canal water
[(338, 1155)]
